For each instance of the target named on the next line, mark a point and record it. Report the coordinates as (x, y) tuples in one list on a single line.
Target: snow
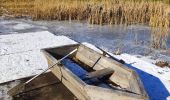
[(20, 54)]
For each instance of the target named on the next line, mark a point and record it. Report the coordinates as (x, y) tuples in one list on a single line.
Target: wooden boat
[(91, 75)]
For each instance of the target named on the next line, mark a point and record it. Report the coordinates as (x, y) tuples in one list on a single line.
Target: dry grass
[(152, 12)]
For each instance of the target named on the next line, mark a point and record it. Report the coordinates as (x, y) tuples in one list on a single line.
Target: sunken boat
[(94, 74)]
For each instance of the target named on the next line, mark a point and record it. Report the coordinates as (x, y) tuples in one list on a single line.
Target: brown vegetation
[(162, 64), (152, 12)]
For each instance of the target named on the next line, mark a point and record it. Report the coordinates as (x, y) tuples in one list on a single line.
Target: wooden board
[(99, 73), (97, 93)]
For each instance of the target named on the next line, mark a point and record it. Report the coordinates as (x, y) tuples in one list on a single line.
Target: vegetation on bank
[(155, 13)]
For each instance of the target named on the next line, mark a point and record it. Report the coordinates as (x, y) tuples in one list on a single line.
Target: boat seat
[(99, 73)]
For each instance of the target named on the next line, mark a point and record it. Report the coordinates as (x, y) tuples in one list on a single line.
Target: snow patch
[(16, 43), (20, 54)]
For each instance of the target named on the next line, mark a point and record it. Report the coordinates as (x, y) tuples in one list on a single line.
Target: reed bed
[(155, 13)]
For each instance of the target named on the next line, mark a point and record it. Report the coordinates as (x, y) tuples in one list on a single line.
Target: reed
[(155, 13)]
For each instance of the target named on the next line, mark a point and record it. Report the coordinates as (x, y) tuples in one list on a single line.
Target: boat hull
[(127, 79)]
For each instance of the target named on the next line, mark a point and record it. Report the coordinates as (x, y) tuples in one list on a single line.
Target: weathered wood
[(121, 80), (45, 87), (136, 82), (121, 75), (60, 51), (44, 80), (41, 81), (100, 73), (98, 93), (89, 57)]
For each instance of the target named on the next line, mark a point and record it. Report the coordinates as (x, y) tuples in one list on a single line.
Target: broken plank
[(100, 73)]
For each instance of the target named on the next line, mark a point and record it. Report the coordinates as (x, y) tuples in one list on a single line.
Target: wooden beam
[(100, 73)]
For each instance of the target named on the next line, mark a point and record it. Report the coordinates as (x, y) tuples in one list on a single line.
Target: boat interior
[(96, 68)]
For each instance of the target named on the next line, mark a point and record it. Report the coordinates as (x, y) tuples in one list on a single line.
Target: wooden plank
[(93, 55), (137, 85), (121, 80), (90, 62), (141, 86), (107, 94), (89, 57), (61, 50), (79, 93), (100, 73)]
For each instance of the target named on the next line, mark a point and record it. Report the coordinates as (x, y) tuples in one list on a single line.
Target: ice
[(22, 26)]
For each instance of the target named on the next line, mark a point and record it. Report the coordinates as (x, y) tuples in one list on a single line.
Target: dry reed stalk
[(154, 13), (159, 23)]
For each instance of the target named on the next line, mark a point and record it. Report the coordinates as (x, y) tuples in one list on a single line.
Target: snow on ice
[(20, 54)]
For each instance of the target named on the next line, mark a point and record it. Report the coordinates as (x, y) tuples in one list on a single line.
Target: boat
[(93, 74)]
